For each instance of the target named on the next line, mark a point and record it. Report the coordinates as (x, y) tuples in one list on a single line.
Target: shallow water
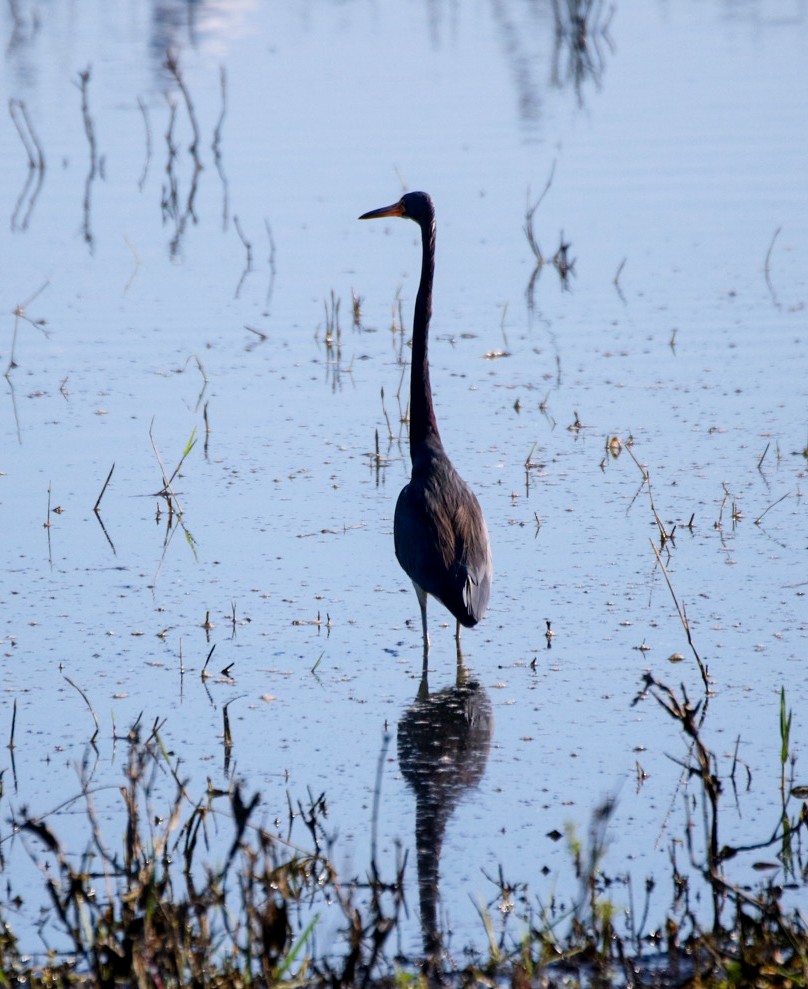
[(681, 150)]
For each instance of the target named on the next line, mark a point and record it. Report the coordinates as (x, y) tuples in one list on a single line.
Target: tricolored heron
[(440, 534)]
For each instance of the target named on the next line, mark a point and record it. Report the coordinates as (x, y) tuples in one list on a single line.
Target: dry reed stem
[(204, 672), (682, 618), (759, 519), (98, 500), (664, 535), (13, 726), (86, 700), (390, 434), (19, 312)]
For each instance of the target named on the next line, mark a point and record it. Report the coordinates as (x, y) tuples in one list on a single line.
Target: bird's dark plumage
[(440, 534)]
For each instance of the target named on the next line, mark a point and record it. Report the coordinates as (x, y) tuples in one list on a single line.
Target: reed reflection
[(443, 744)]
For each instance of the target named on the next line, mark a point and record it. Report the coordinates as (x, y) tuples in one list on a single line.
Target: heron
[(441, 539)]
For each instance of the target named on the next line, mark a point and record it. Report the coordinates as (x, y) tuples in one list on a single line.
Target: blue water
[(681, 151)]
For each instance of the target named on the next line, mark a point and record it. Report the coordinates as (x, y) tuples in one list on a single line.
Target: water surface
[(678, 150)]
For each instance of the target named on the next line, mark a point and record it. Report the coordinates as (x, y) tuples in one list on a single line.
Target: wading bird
[(440, 534)]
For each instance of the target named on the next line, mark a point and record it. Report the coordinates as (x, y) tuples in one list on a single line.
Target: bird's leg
[(461, 674), (421, 595), (461, 669)]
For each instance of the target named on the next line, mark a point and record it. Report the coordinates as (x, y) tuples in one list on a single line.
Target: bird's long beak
[(395, 210)]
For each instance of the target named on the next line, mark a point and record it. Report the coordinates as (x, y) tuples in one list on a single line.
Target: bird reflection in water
[(443, 744)]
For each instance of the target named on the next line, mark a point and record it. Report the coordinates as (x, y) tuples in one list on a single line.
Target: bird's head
[(416, 206)]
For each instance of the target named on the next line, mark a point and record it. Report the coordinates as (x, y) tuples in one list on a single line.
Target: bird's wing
[(442, 544)]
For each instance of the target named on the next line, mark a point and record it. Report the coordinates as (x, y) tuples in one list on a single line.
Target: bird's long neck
[(423, 425)]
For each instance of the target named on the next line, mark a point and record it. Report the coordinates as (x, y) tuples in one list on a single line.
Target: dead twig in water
[(664, 535), (763, 456), (98, 500), (86, 700), (167, 491), (390, 433), (20, 313), (204, 674), (228, 738), (97, 512), (531, 464), (682, 618), (47, 524), (262, 337), (759, 519), (10, 745), (378, 461)]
